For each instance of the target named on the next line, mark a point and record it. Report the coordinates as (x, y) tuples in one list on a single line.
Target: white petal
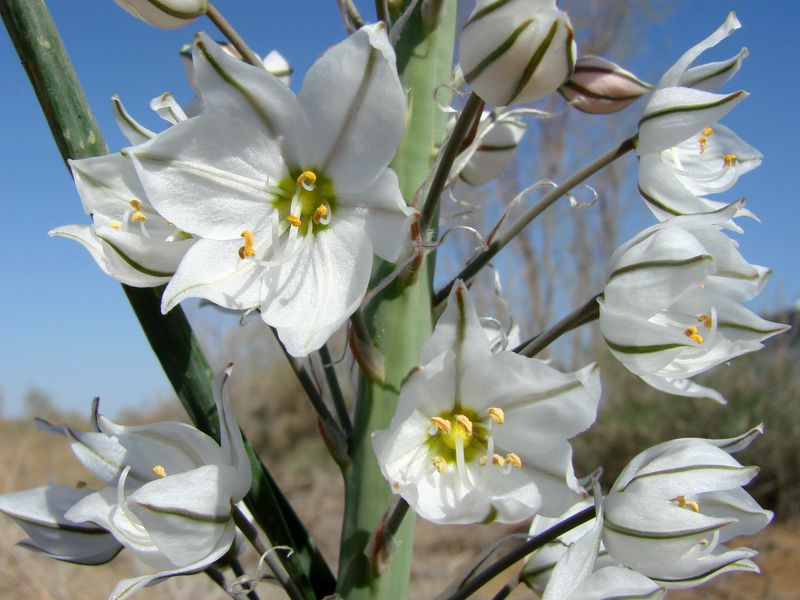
[(736, 504), (177, 447), (314, 294), (458, 330), (234, 88), (231, 441), (576, 565), (356, 108), (387, 219), (130, 127), (673, 114), (210, 175), (125, 588), (168, 108), (676, 72), (213, 270), (682, 387), (186, 515), (110, 261), (618, 582), (712, 76), (40, 512), (102, 455)]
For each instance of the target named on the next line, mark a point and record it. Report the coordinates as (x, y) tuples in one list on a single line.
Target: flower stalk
[(580, 316), (233, 36), (463, 126), (473, 584), (503, 238)]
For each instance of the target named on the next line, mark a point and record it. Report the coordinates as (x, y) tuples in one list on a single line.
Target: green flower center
[(466, 427), (308, 202)]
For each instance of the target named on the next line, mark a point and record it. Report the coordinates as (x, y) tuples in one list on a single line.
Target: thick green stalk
[(399, 321), (77, 135)]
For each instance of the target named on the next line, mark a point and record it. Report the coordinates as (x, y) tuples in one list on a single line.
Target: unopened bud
[(517, 50), (599, 86), (499, 138), (166, 14)]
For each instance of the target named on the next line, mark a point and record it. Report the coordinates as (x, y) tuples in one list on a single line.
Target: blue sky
[(68, 329)]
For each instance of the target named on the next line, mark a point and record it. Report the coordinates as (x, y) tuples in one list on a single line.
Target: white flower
[(684, 154), (672, 307), (599, 86), (576, 576), (495, 146), (170, 489), (40, 512), (289, 196), (127, 238), (481, 436), (516, 50), (675, 504), (167, 14)]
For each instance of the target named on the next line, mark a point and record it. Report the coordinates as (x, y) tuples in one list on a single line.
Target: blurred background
[(69, 335)]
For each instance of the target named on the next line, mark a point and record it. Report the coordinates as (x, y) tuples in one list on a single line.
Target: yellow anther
[(115, 225), (135, 204), (729, 159), (320, 213), (703, 542), (483, 460), (79, 485), (682, 502), (691, 333), (307, 177), (440, 464), (497, 415), (514, 459), (702, 286), (703, 143), (443, 424), (160, 471), (247, 249), (708, 131), (294, 221), (498, 460), (464, 421), (138, 216), (705, 320)]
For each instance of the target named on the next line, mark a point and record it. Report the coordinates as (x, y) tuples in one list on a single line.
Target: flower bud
[(598, 86), (166, 14), (516, 50), (496, 148)]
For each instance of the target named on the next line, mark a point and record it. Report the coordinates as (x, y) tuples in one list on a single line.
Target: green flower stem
[(398, 320), (484, 576), (580, 316), (464, 124), (269, 554), (501, 240), (352, 18), (233, 36), (334, 434), (76, 134), (336, 391)]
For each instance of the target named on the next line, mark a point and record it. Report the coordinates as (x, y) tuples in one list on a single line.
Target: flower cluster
[(259, 199), (169, 496)]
